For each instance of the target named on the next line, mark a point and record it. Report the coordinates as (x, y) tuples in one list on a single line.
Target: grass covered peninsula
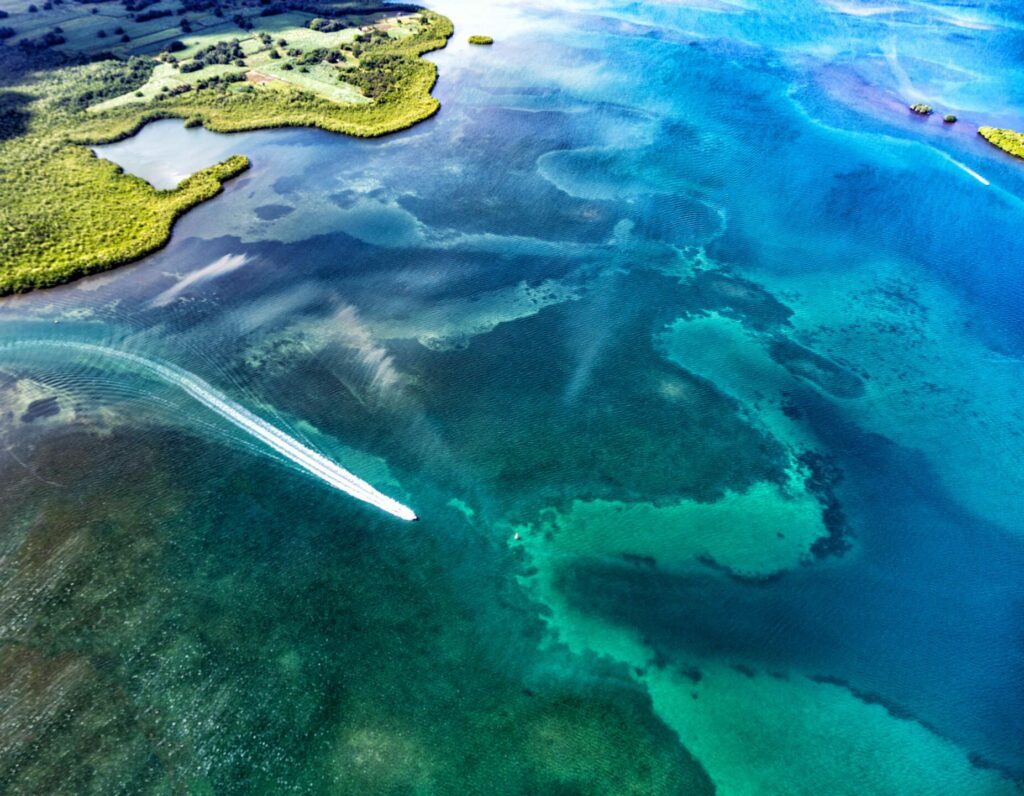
[(80, 73)]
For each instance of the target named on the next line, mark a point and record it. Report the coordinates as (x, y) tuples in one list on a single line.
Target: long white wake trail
[(309, 460)]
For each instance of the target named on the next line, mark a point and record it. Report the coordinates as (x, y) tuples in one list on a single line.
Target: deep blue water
[(690, 259)]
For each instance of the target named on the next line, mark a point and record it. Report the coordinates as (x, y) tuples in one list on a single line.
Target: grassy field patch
[(322, 79), (200, 38), (292, 28)]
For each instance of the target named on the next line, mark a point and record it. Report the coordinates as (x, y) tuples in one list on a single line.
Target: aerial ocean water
[(698, 356)]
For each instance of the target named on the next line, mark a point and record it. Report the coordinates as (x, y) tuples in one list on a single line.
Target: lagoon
[(165, 152)]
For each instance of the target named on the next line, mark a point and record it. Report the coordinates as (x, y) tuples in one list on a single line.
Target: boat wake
[(309, 460), (970, 171)]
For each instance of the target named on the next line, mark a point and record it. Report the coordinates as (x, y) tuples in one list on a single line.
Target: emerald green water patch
[(754, 534), (761, 735), (707, 342)]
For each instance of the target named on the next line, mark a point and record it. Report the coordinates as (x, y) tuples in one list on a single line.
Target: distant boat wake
[(964, 168), (309, 460)]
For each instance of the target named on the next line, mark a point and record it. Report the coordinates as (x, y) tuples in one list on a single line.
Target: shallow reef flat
[(375, 717), (755, 728), (897, 329), (754, 534), (801, 736)]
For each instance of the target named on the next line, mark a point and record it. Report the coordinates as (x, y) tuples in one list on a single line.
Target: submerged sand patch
[(757, 533), (764, 735)]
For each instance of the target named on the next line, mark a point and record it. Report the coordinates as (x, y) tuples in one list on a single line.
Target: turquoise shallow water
[(699, 358)]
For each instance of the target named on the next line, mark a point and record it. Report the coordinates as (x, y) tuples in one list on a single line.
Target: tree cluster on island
[(1010, 141)]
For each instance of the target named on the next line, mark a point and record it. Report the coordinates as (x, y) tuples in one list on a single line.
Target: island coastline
[(68, 213)]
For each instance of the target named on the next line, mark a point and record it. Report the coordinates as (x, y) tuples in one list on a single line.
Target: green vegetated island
[(1009, 141), (82, 72)]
